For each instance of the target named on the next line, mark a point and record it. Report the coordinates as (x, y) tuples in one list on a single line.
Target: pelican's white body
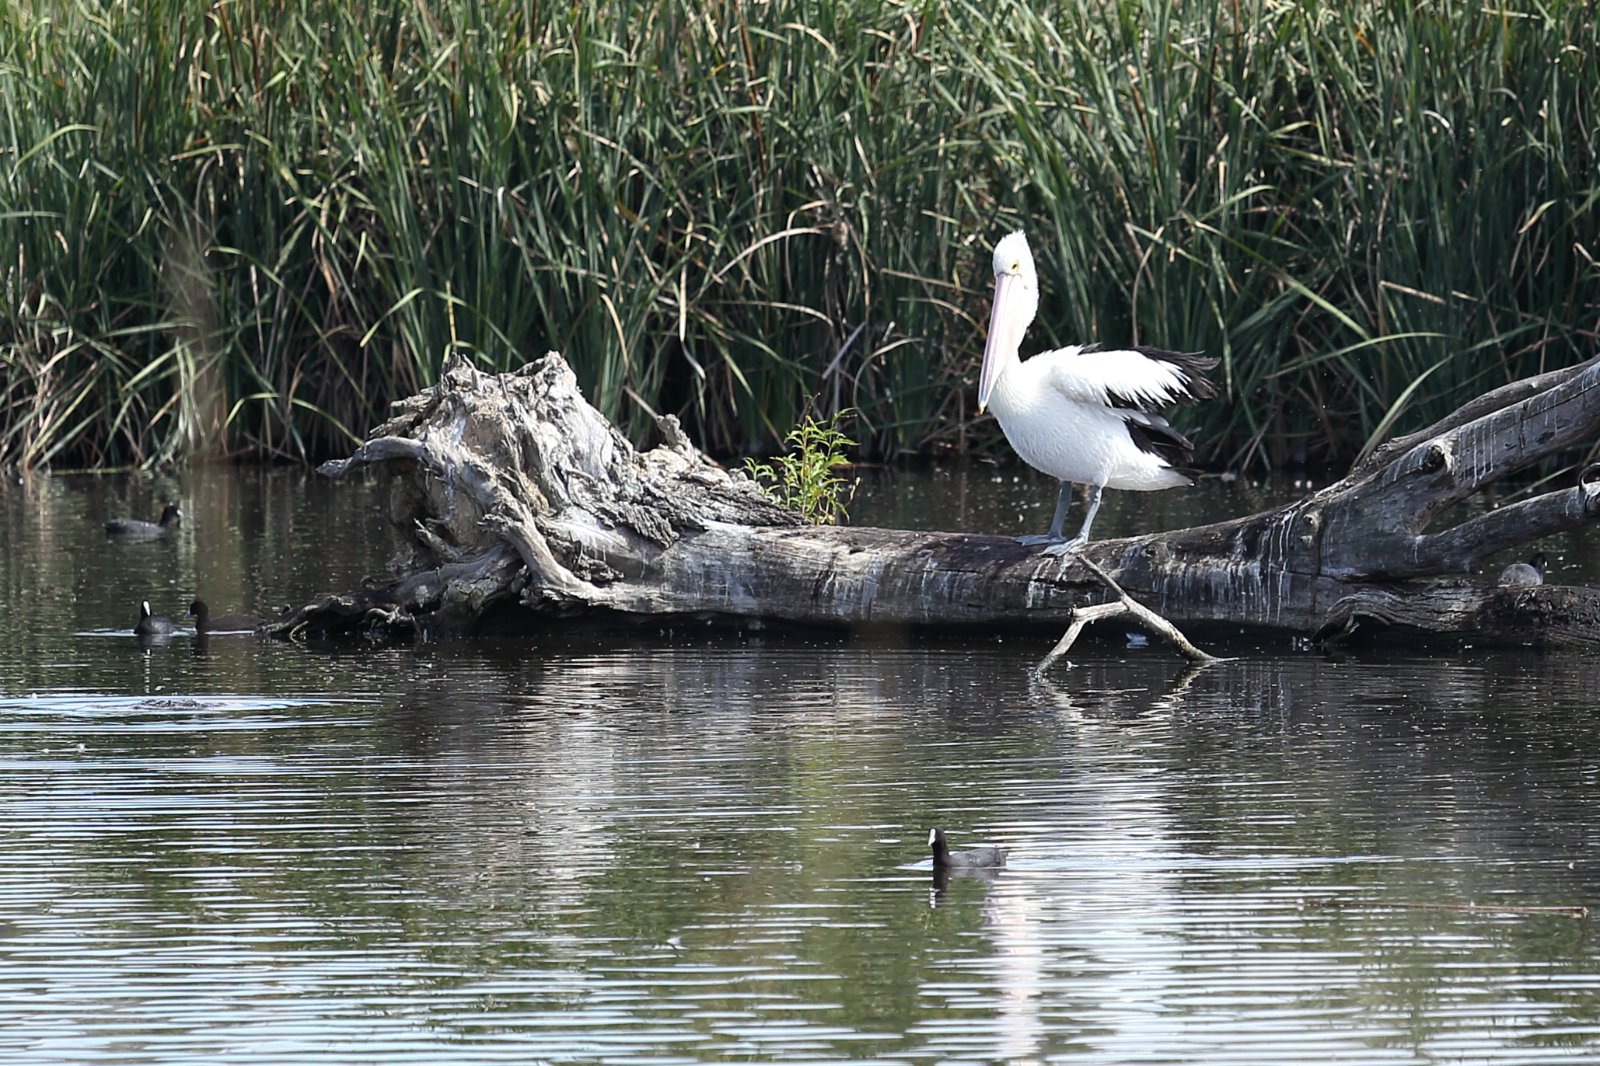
[(1049, 412)]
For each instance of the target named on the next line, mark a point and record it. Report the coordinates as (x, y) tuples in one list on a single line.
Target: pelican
[(1077, 413)]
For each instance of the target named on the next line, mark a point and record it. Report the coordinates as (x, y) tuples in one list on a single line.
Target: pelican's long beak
[(1006, 324)]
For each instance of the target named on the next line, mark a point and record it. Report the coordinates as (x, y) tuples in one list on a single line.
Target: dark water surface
[(713, 847)]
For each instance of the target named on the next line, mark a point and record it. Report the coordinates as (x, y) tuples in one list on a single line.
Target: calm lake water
[(712, 848)]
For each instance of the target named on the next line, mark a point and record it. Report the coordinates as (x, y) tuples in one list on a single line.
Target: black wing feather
[(1193, 367)]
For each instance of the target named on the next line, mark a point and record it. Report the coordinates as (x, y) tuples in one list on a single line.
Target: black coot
[(151, 626), (136, 529), (206, 622), (966, 859)]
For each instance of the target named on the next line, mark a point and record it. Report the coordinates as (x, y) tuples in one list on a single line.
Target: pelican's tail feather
[(1154, 434)]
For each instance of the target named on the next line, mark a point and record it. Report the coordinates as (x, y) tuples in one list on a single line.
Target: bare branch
[(1488, 403), (1125, 605)]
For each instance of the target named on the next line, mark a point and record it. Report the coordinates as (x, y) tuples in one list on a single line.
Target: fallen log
[(525, 506)]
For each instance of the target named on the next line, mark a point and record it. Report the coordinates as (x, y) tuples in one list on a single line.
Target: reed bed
[(243, 228)]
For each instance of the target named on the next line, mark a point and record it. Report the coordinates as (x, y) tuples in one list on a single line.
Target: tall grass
[(244, 228)]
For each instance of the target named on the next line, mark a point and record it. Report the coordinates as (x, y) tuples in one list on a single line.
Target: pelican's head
[(1016, 301), (1013, 256)]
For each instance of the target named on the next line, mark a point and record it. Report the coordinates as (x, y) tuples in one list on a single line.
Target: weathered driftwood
[(525, 505)]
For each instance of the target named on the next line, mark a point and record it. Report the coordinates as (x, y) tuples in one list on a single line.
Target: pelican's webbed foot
[(1067, 546), (1035, 539)]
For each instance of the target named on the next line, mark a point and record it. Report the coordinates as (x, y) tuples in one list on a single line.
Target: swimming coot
[(135, 529), (966, 859), (151, 626), (206, 622), (1528, 573)]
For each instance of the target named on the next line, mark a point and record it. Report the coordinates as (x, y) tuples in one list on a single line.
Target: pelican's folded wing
[(1143, 379)]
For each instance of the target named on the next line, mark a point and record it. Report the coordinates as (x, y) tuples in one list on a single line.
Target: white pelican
[(1078, 414)]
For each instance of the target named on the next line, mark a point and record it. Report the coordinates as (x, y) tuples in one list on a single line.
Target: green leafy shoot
[(806, 478)]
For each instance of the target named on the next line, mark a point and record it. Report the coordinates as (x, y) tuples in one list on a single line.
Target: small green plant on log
[(806, 478)]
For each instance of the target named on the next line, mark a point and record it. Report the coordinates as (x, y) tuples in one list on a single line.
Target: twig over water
[(1125, 605)]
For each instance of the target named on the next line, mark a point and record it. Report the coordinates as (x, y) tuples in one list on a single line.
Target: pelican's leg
[(1054, 536), (1083, 534)]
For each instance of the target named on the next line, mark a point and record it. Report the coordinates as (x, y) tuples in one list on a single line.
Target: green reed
[(246, 228)]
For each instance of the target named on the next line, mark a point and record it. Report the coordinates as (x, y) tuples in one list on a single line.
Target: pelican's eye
[(1015, 266)]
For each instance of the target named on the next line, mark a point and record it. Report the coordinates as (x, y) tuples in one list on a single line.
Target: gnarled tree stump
[(524, 503)]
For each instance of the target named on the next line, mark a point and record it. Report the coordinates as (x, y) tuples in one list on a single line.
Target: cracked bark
[(525, 506)]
